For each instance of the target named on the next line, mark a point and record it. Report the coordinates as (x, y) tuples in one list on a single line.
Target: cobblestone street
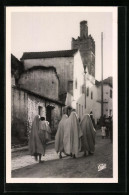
[(23, 165)]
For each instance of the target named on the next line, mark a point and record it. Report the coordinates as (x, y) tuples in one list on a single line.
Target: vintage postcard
[(61, 95)]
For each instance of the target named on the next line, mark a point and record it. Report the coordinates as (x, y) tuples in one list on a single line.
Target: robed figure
[(36, 146), (88, 139), (59, 146), (44, 132), (72, 135)]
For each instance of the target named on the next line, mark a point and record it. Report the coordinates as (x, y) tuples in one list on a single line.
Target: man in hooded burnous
[(72, 135), (36, 146), (88, 139), (59, 146), (91, 116)]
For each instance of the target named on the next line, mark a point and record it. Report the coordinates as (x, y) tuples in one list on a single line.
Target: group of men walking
[(71, 138)]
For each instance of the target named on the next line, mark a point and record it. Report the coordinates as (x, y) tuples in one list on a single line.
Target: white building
[(93, 98)]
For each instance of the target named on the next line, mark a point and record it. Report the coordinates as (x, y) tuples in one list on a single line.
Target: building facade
[(63, 61), (93, 97), (35, 92), (69, 67)]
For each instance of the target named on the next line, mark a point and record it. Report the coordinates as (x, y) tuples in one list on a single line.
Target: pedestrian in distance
[(88, 138), (103, 130), (72, 135), (36, 147), (59, 145)]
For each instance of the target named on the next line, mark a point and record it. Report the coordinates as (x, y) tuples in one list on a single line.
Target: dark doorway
[(49, 114), (40, 110)]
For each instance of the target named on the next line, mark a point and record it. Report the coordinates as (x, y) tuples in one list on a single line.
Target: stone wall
[(25, 107), (19, 116)]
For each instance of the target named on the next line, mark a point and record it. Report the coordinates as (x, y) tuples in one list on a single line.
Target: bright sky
[(47, 31)]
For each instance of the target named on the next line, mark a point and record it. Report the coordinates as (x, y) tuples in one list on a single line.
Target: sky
[(50, 31)]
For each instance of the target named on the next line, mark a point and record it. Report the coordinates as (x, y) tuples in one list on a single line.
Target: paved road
[(53, 167)]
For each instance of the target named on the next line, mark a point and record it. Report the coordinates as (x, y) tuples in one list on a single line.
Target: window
[(76, 84), (91, 95), (110, 93), (88, 91), (83, 88), (77, 107)]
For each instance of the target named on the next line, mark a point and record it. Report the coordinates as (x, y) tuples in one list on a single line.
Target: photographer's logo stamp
[(102, 166)]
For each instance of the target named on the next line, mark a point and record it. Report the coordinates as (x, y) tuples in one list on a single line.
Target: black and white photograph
[(61, 95)]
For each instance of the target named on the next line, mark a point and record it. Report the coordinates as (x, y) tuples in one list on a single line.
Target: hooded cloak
[(88, 139), (72, 135), (35, 143), (59, 147)]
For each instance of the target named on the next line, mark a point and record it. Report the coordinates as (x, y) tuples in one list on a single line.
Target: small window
[(91, 95), (77, 107), (88, 91), (110, 112), (83, 88), (76, 84), (110, 93)]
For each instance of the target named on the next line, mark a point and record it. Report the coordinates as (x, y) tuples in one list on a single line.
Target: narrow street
[(24, 166)]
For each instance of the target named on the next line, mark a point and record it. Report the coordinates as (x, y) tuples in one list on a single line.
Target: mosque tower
[(86, 45)]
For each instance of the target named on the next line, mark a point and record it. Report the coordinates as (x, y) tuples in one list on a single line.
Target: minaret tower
[(86, 45)]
